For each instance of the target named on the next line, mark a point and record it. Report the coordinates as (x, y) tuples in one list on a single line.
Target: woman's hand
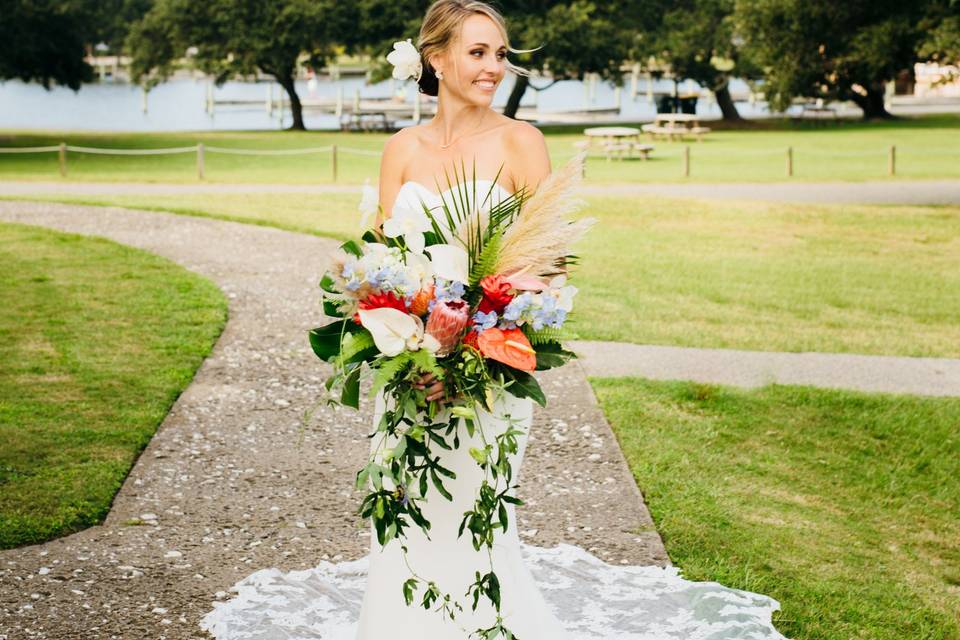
[(435, 390)]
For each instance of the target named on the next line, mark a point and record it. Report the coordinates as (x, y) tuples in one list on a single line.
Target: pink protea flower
[(446, 323)]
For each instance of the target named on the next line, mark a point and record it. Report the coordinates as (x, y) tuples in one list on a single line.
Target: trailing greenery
[(97, 340)]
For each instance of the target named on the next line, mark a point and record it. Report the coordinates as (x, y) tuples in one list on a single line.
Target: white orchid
[(369, 203), (405, 60), (409, 223), (564, 292), (419, 270), (394, 331), (450, 262)]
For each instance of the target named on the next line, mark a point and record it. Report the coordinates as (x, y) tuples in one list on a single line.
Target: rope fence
[(683, 153)]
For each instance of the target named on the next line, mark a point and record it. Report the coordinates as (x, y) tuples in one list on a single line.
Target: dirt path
[(228, 486)]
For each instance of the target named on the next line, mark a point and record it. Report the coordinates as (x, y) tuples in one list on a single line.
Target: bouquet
[(476, 296)]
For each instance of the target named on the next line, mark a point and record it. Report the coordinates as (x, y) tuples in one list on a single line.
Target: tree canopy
[(834, 50), (233, 38)]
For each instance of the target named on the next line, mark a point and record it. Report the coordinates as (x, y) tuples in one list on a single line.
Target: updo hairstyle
[(440, 28)]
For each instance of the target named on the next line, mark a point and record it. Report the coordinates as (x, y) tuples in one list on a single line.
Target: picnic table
[(616, 142), (676, 125)]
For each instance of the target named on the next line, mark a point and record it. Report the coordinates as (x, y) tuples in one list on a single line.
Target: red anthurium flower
[(508, 346), (471, 339), (496, 294), (378, 300)]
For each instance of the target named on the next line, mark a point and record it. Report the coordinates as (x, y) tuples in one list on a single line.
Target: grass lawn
[(768, 277), (96, 342), (842, 506), (837, 151)]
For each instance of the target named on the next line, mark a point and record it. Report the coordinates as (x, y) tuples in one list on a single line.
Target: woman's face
[(475, 64)]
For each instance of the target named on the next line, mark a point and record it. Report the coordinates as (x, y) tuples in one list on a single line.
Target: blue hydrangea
[(484, 321), (445, 291)]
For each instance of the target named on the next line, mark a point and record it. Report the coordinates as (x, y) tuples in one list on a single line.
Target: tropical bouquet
[(475, 293)]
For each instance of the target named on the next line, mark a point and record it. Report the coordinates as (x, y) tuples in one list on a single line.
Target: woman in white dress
[(563, 593)]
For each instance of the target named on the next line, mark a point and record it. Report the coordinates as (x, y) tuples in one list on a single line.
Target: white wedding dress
[(559, 593)]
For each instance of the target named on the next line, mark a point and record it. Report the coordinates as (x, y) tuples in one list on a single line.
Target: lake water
[(179, 105)]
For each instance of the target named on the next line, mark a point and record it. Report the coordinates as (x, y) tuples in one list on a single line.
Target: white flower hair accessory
[(405, 60)]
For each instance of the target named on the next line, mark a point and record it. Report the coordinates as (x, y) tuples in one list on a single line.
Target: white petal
[(389, 327), (449, 262), (392, 228), (430, 343), (414, 240)]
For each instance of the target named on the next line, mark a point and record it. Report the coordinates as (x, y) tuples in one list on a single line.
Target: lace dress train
[(558, 593)]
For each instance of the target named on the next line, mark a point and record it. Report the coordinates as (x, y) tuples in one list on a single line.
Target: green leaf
[(352, 248), (552, 354), (408, 588), (350, 396), (523, 385), (325, 340), (487, 260)]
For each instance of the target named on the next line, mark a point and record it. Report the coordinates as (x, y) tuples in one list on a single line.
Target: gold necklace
[(477, 126)]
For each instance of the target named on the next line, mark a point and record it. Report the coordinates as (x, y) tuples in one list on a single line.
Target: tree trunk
[(725, 102), (296, 109), (872, 104), (513, 102)]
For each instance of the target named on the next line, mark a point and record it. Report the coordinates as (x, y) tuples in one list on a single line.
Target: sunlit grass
[(842, 506), (835, 151), (96, 342), (769, 277)]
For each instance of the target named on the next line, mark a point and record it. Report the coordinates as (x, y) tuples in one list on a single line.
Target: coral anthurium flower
[(387, 300), (496, 294), (421, 301), (447, 321), (508, 346)]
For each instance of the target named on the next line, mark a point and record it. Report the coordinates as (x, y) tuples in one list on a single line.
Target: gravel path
[(915, 192), (921, 376), (228, 485)]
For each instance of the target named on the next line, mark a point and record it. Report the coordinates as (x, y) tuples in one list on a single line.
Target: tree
[(836, 50), (44, 41), (572, 38), (236, 38), (697, 39)]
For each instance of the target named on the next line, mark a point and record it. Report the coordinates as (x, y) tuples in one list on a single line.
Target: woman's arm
[(391, 172), (527, 158)]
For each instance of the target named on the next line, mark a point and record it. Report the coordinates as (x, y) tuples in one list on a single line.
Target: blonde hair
[(441, 25)]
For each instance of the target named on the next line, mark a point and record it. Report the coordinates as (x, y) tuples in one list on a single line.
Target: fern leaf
[(487, 260)]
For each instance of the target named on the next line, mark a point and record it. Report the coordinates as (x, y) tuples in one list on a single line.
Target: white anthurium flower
[(369, 203), (409, 223), (450, 262), (405, 60), (394, 331)]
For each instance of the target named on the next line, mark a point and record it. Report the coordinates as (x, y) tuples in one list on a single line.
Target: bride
[(563, 593)]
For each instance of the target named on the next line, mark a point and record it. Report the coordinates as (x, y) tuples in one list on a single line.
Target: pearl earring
[(439, 74)]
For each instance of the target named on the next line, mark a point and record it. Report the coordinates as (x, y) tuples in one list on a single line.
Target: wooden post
[(893, 160), (789, 162), (63, 159), (686, 161), (200, 167), (333, 165)]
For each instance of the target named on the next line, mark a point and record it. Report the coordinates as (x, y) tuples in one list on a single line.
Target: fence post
[(200, 166), (893, 160), (686, 161), (333, 151), (63, 159), (789, 162)]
